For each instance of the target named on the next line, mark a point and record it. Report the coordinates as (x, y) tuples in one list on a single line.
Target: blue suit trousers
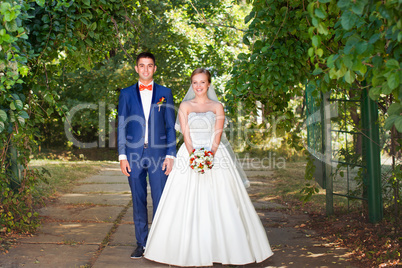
[(141, 166)]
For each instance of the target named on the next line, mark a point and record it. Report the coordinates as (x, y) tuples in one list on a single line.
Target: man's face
[(145, 68)]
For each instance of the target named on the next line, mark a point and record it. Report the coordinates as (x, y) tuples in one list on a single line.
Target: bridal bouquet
[(201, 160)]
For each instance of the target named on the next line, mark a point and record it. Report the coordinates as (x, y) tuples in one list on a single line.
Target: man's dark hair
[(146, 55)]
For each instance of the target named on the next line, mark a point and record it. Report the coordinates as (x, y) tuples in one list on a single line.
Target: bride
[(205, 218)]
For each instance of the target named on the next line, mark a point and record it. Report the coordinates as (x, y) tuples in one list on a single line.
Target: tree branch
[(283, 22), (117, 33)]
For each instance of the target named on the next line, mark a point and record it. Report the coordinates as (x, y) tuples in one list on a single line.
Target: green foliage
[(359, 41), (309, 188), (276, 66), (38, 39), (56, 54), (182, 38), (16, 207), (331, 44), (291, 42)]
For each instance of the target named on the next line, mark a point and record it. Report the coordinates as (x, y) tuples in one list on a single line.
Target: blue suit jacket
[(131, 123)]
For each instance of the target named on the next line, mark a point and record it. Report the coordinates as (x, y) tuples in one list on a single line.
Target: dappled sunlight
[(75, 195), (268, 198)]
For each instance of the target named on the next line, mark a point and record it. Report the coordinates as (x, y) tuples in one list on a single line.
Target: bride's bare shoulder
[(185, 107), (217, 106), (185, 104)]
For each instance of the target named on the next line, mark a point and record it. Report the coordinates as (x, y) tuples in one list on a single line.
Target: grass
[(284, 187), (63, 175)]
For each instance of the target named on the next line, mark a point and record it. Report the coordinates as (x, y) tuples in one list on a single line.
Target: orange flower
[(161, 102)]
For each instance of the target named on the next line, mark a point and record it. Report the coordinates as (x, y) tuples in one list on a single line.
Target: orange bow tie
[(143, 87)]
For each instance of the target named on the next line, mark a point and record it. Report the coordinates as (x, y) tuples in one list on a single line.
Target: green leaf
[(392, 64), (361, 47), (93, 26), (351, 43), (358, 6), (347, 60), (317, 71), (23, 70), (40, 2), (16, 105), (9, 15), (342, 71), (320, 13), (4, 7), (343, 3), (310, 8), (326, 78), (348, 20), (3, 116), (374, 38), (249, 17), (316, 40), (377, 61), (395, 109), (330, 61), (322, 29), (398, 123), (359, 66), (314, 21), (87, 2), (11, 116), (385, 89), (242, 56), (363, 69), (1, 127), (11, 26), (24, 115), (311, 51), (7, 38), (21, 120), (89, 41), (393, 81), (324, 1), (350, 77), (389, 122), (246, 41), (375, 92), (15, 96), (320, 52)]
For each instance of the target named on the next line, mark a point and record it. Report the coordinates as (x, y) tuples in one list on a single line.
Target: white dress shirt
[(146, 99)]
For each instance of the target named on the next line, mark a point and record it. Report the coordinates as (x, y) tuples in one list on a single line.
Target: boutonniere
[(160, 103)]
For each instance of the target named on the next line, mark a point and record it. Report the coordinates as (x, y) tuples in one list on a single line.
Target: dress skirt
[(206, 218)]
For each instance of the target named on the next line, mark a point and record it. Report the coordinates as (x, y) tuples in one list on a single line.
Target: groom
[(146, 142)]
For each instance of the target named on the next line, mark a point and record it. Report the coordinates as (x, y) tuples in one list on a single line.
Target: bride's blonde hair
[(201, 71)]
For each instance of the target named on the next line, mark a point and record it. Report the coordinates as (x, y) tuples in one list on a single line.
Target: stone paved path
[(98, 212)]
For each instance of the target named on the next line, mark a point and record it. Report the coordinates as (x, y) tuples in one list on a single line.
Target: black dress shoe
[(137, 253)]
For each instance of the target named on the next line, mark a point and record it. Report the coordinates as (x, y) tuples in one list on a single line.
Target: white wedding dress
[(206, 218)]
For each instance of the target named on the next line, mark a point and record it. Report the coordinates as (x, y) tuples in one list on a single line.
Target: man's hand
[(167, 165), (125, 167)]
